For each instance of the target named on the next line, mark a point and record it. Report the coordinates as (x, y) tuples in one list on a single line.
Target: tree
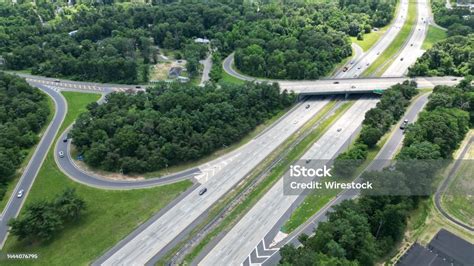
[(39, 222), (370, 136)]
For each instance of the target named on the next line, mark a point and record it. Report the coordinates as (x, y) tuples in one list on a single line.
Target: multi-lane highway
[(248, 241), (220, 175), (252, 228), (157, 237), (387, 153), (412, 49)]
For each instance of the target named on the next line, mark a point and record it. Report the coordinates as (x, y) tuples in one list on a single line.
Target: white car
[(61, 154), (20, 193)]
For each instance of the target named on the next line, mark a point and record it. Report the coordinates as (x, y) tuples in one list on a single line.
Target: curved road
[(442, 188), (13, 207)]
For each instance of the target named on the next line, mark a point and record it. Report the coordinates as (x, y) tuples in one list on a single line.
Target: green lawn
[(384, 60), (110, 215), (433, 36), (459, 197)]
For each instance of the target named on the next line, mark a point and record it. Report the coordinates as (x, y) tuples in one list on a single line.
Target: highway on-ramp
[(13, 207)]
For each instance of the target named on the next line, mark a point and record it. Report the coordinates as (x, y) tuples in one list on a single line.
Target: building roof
[(452, 246), (175, 71), (201, 40), (444, 249)]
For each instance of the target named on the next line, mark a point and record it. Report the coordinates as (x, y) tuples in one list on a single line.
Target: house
[(174, 72), (202, 41)]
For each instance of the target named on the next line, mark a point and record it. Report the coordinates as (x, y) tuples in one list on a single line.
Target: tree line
[(23, 113), (117, 43), (172, 123), (364, 231), (377, 122), (41, 220), (452, 56)]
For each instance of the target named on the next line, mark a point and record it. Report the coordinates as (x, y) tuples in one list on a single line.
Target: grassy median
[(109, 217), (386, 58)]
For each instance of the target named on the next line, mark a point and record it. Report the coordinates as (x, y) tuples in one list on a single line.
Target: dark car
[(307, 106), (65, 139), (336, 82), (404, 124), (202, 191)]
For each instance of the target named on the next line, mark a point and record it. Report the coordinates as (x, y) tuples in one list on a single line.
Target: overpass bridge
[(360, 85), (302, 87)]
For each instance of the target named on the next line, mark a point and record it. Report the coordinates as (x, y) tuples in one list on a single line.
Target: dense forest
[(118, 42), (172, 123), (304, 41), (453, 56), (364, 231), (458, 20), (23, 112)]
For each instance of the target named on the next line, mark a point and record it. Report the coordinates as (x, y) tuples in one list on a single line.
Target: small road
[(13, 207), (207, 66), (444, 185)]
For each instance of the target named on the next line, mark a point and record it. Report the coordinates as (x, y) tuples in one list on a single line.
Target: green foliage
[(458, 20), (376, 123), (109, 43), (172, 123), (43, 219), (452, 56), (216, 70), (23, 112)]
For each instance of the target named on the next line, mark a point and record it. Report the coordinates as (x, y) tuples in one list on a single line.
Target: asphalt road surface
[(13, 207), (412, 50), (239, 242)]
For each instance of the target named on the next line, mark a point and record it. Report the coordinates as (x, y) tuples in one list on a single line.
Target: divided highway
[(249, 241)]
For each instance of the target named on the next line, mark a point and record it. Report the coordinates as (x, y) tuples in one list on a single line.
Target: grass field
[(458, 199), (110, 215), (12, 183), (433, 36), (383, 61)]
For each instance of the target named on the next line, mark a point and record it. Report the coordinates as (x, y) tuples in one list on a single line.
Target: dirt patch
[(160, 71), (107, 175)]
